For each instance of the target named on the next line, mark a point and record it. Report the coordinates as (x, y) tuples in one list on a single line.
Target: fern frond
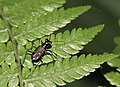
[(3, 35), (117, 49), (8, 3), (72, 42), (67, 71), (47, 24), (3, 31), (63, 45), (8, 75), (6, 53), (23, 10), (116, 62), (113, 78)]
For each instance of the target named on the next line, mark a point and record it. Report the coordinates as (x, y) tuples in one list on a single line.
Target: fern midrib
[(14, 43), (43, 26), (80, 63), (29, 31), (49, 74)]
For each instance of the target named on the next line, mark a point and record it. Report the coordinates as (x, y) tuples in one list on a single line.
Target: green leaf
[(13, 82), (102, 86), (3, 35), (6, 53), (63, 47), (47, 24), (2, 24), (117, 49), (113, 78), (22, 11), (8, 3), (8, 75), (66, 71), (3, 32), (116, 62), (72, 43)]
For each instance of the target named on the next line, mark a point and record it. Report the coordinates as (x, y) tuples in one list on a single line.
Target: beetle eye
[(48, 43), (46, 40)]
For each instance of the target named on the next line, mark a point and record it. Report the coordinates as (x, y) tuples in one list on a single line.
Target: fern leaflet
[(68, 70)]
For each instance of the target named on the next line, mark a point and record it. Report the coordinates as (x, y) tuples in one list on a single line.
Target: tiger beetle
[(41, 51)]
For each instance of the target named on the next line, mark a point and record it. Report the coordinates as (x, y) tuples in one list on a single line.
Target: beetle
[(41, 50)]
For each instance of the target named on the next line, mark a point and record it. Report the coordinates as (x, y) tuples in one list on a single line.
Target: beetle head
[(47, 44)]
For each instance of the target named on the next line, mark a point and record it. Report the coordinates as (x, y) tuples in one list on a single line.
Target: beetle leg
[(41, 42), (53, 54), (34, 45), (28, 52)]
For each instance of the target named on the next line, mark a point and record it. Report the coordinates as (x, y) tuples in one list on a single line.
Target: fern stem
[(14, 42)]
